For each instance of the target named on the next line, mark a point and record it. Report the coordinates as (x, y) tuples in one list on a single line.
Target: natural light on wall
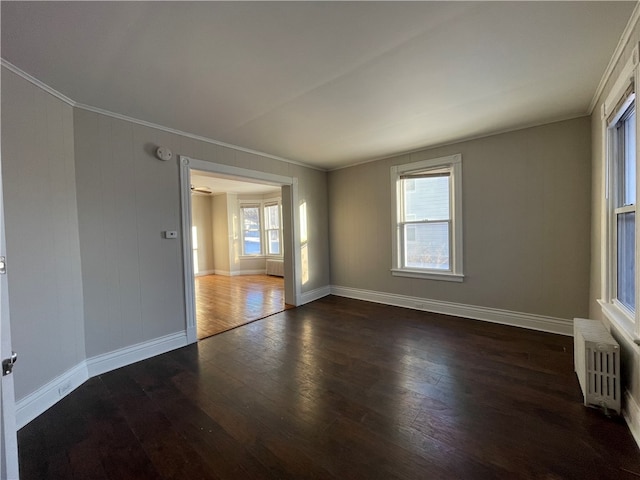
[(194, 245), (304, 253)]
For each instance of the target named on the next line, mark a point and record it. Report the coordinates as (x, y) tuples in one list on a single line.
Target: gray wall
[(126, 198), (221, 234), (132, 276), (526, 197), (202, 219), (86, 203), (45, 284)]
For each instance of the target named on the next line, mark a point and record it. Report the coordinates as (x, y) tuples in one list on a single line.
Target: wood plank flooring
[(223, 303), (338, 389)]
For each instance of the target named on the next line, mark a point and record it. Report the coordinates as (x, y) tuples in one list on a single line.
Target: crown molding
[(43, 86), (617, 54)]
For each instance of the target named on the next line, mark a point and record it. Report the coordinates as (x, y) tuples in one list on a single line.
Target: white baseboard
[(235, 273), (313, 295), (259, 271), (45, 397), (135, 353), (192, 334), (34, 404), (494, 315), (631, 414), (202, 273)]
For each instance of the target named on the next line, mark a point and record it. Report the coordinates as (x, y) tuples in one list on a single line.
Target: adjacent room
[(237, 247), (337, 240)]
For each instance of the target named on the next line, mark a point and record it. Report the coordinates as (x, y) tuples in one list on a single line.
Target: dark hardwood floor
[(337, 389), (223, 303)]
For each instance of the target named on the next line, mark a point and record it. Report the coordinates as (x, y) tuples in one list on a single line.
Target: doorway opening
[(241, 257)]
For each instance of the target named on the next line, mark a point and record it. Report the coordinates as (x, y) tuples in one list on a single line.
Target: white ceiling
[(219, 184), (323, 83)]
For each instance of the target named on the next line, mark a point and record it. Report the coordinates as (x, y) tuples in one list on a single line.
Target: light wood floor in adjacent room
[(223, 303)]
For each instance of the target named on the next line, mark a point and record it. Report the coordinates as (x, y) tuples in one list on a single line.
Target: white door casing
[(291, 237), (8, 438)]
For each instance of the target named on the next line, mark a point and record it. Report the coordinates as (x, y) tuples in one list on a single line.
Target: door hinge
[(3, 265), (7, 364)]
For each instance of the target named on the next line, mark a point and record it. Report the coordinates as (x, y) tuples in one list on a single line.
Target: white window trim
[(616, 313), (454, 162)]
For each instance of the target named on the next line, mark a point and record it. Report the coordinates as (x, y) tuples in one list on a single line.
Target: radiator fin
[(275, 267), (597, 364)]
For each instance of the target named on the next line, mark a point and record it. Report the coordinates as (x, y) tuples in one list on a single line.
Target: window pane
[(251, 242), (626, 259), (427, 246), (272, 216), (251, 218), (251, 230), (274, 242), (428, 200), (629, 161)]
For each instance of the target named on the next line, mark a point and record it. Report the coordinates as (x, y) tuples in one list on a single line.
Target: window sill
[(622, 322), (428, 275)]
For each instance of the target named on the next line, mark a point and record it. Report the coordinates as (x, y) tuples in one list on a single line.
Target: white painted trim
[(424, 162), (42, 86), (631, 414), (135, 353), (429, 275), (204, 273), (36, 403), (187, 250), (238, 172), (238, 273), (144, 123), (615, 58), (622, 82), (494, 315), (620, 323), (192, 136), (627, 322), (313, 295), (224, 273), (429, 147), (290, 242)]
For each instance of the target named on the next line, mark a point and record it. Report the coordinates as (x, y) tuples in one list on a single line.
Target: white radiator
[(275, 267), (597, 364)]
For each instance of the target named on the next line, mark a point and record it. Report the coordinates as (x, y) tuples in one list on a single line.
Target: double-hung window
[(620, 246), (427, 219), (261, 225), (272, 229)]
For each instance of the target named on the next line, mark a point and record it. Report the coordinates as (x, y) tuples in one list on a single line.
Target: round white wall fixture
[(163, 153)]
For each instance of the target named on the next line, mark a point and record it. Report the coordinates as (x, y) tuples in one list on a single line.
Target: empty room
[(441, 194)]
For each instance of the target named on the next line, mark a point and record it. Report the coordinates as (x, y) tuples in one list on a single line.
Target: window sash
[(251, 226), (433, 256), (273, 238), (626, 249), (273, 228), (407, 195)]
